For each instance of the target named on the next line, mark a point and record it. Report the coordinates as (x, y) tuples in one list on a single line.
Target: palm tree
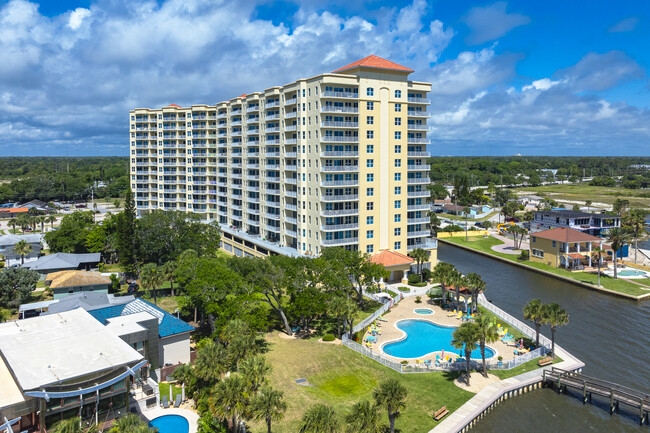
[(635, 222), (151, 277), (269, 405), (487, 333), (319, 419), (476, 285), (23, 248), (588, 203), (230, 400), (391, 395), (51, 219), (337, 306), (420, 256), (443, 273), (70, 425), (131, 423), (254, 370), (534, 311), (555, 316), (465, 337), (457, 280), (12, 222), (617, 237), (210, 362), (351, 309), (184, 374), (599, 250), (363, 418), (169, 271), (24, 222), (434, 223), (41, 221)]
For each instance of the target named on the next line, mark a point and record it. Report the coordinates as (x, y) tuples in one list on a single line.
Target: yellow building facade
[(566, 248), (338, 159)]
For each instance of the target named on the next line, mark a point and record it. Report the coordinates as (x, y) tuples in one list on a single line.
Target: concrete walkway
[(157, 411), (508, 245)]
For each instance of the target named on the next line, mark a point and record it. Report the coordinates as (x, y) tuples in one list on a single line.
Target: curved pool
[(423, 311), (170, 424), (424, 337)]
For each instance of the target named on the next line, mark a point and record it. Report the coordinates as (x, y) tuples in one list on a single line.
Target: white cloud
[(491, 22), (543, 84), (77, 16), (625, 25)]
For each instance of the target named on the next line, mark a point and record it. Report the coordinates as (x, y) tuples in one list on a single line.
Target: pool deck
[(157, 411), (404, 310)]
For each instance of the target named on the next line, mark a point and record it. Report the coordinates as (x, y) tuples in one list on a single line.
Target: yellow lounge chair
[(459, 315), (452, 313)]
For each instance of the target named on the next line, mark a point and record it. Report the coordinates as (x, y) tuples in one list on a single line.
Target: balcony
[(272, 104), (273, 129), (418, 234), (222, 115), (341, 154), (272, 116), (417, 113), (418, 100), (341, 168), (422, 220), (253, 131), (271, 191), (333, 109), (418, 154), (416, 180), (292, 207), (272, 141), (290, 154), (332, 94), (291, 115), (418, 194), (336, 227), (272, 204), (412, 140), (291, 220), (254, 119), (235, 111), (353, 182), (291, 101), (235, 134), (273, 229), (290, 233), (291, 167), (273, 216), (414, 127), (272, 154), (427, 245), (424, 206), (291, 180), (339, 212), (332, 124), (291, 141), (273, 179), (291, 127), (251, 108), (344, 241), (272, 167), (253, 143), (339, 139), (342, 197), (418, 167), (293, 194)]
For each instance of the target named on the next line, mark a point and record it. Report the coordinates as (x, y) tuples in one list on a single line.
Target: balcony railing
[(419, 101), (344, 241), (290, 101), (418, 154), (418, 193), (291, 114), (411, 140), (339, 139), (418, 234), (418, 167), (335, 227), (414, 180), (414, 127), (272, 104), (333, 109), (332, 124), (413, 207), (339, 154), (341, 168), (422, 220), (332, 94), (416, 113), (291, 127), (339, 182), (342, 197), (339, 212)]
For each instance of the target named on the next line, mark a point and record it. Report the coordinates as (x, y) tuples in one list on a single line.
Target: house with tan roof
[(565, 247), (64, 283), (399, 265)]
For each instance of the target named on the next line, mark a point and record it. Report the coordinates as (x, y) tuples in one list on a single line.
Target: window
[(370, 134), (370, 248), (398, 217), (398, 108), (370, 220), (370, 234), (370, 177), (534, 239), (554, 244), (398, 177), (398, 148), (370, 192), (398, 121), (398, 246), (398, 93), (398, 135), (398, 231), (398, 204), (370, 106), (370, 163), (370, 91), (398, 190), (398, 163), (370, 148), (370, 206), (370, 120)]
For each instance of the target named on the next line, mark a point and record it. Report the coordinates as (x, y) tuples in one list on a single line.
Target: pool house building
[(565, 247)]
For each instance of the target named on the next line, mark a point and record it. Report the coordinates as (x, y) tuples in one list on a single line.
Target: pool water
[(423, 311), (423, 338), (630, 273), (170, 424)]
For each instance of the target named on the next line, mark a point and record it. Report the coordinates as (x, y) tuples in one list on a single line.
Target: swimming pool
[(423, 311), (628, 273), (170, 424), (424, 337)]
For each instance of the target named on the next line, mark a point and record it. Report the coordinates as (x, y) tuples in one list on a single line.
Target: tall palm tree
[(363, 418), (635, 222), (151, 277), (12, 222), (319, 419), (487, 333), (391, 395), (617, 237), (269, 405), (210, 362), (351, 310), (434, 223), (457, 280), (230, 400), (24, 222), (51, 219), (465, 337), (70, 425), (23, 248), (131, 423), (41, 221), (169, 271), (555, 316), (476, 285), (443, 273), (420, 256), (534, 311), (184, 374), (254, 370)]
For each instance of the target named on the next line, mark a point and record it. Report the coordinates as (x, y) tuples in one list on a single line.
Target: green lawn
[(523, 368), (582, 192), (164, 390), (486, 244), (462, 218), (342, 377)]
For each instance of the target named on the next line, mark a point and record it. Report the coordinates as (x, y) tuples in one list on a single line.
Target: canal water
[(610, 335)]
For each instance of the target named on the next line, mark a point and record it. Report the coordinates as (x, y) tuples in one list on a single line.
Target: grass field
[(597, 194), (486, 244), (462, 218), (164, 390), (342, 377)]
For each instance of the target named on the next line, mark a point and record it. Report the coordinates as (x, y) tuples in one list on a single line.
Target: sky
[(516, 77)]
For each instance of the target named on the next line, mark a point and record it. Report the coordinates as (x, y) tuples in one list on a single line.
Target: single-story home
[(13, 212), (64, 283), (396, 263), (7, 243), (65, 262)]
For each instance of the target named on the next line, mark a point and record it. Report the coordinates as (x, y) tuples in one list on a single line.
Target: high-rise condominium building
[(338, 159)]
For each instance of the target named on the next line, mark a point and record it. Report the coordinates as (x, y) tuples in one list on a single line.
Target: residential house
[(65, 262), (531, 201), (64, 283), (86, 300), (7, 243), (565, 247), (13, 212), (591, 223), (399, 265), (62, 366)]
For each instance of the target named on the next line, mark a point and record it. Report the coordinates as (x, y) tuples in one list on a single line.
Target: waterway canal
[(610, 335)]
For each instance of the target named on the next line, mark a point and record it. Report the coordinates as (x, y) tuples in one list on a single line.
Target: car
[(133, 287), (512, 220), (80, 206)]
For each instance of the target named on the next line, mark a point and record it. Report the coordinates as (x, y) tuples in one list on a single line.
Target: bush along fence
[(454, 366)]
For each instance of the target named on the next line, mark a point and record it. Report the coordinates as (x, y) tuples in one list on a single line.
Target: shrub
[(403, 289), (404, 362), (418, 299), (329, 337), (525, 255), (500, 358), (422, 284), (413, 278), (453, 228), (426, 274)]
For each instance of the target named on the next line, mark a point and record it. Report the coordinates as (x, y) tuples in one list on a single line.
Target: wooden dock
[(617, 394)]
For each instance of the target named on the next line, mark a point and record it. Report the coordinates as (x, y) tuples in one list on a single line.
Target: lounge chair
[(165, 402), (177, 402), (453, 313)]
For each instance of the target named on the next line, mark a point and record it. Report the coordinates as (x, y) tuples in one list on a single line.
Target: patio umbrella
[(171, 396), (183, 393)]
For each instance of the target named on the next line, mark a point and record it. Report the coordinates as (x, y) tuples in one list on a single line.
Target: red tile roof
[(174, 105), (14, 210), (576, 256), (391, 258), (375, 63), (565, 234)]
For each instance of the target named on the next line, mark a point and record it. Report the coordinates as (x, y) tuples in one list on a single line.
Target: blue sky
[(536, 78)]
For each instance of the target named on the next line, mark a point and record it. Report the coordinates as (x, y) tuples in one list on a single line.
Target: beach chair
[(459, 315), (177, 402), (165, 402), (452, 314)]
